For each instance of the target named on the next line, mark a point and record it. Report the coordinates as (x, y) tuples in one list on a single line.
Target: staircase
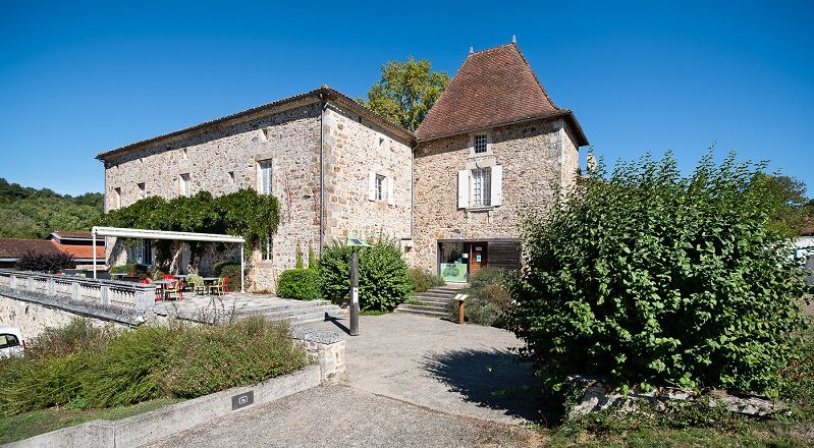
[(437, 302), (301, 311)]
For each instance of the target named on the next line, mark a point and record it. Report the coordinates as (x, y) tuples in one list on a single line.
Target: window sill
[(487, 208)]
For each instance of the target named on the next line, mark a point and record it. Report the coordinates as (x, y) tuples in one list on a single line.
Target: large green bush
[(650, 278), (383, 279), (302, 284)]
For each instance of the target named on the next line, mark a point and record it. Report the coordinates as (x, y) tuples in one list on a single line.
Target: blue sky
[(79, 78)]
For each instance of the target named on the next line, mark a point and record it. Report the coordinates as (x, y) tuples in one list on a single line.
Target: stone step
[(332, 310), (426, 298), (438, 294), (409, 309), (429, 306)]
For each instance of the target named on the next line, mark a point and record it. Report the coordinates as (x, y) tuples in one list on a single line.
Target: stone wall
[(354, 148), (227, 159), (536, 157)]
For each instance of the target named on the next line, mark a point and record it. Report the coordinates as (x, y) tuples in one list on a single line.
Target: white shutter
[(463, 189), (391, 198), (497, 186), (371, 186)]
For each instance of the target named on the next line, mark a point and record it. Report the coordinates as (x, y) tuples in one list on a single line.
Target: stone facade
[(225, 158), (538, 160), (354, 150)]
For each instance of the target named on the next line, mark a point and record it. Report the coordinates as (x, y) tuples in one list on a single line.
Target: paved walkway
[(413, 382)]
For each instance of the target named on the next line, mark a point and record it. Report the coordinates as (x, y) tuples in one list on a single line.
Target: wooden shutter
[(463, 189), (371, 186), (497, 186), (391, 198)]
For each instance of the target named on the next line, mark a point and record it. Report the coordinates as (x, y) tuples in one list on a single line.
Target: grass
[(30, 424), (373, 312), (777, 434)]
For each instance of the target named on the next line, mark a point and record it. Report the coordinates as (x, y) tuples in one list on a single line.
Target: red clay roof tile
[(16, 247), (493, 87)]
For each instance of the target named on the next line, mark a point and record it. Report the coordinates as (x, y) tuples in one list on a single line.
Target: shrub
[(654, 279), (208, 359), (79, 334), (422, 281), (90, 367), (383, 279), (126, 373), (489, 301), (228, 269), (32, 261), (302, 284)]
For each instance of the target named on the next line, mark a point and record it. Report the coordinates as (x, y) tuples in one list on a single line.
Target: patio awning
[(146, 234)]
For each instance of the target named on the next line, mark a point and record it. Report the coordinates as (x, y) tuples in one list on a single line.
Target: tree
[(789, 202), (406, 91), (648, 278)]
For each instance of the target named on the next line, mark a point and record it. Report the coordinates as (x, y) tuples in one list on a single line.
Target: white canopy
[(166, 235)]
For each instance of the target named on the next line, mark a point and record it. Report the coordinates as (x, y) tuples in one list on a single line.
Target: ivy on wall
[(253, 216)]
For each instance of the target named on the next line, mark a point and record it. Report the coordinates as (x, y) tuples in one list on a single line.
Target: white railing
[(105, 293)]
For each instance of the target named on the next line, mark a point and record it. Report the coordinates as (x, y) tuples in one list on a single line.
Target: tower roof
[(493, 87)]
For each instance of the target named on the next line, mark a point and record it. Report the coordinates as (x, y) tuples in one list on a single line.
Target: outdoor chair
[(197, 284), (220, 287), (175, 287)]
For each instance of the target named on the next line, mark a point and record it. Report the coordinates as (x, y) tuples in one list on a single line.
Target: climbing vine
[(253, 216)]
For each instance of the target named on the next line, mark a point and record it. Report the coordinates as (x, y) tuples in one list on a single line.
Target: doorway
[(459, 260)]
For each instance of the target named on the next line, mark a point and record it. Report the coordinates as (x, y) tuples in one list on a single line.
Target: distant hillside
[(26, 212)]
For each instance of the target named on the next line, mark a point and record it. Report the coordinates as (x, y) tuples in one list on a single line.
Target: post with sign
[(354, 283), (354, 294)]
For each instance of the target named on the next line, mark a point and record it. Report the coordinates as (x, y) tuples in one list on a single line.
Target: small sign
[(242, 400), (477, 258), (478, 249)]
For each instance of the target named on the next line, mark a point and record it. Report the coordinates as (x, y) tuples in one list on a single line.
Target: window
[(117, 198), (481, 183), (142, 191), (264, 184), (266, 249), (184, 183), (481, 187), (380, 188), (481, 144)]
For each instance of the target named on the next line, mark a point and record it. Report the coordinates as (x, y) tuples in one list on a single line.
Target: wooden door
[(477, 257)]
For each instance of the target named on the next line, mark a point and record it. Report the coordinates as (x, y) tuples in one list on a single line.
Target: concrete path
[(465, 370), (413, 382)]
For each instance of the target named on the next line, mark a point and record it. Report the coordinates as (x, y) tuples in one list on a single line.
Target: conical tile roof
[(493, 87)]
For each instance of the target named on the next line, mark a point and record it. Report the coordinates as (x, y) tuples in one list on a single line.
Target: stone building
[(492, 144), (451, 193), (336, 168)]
